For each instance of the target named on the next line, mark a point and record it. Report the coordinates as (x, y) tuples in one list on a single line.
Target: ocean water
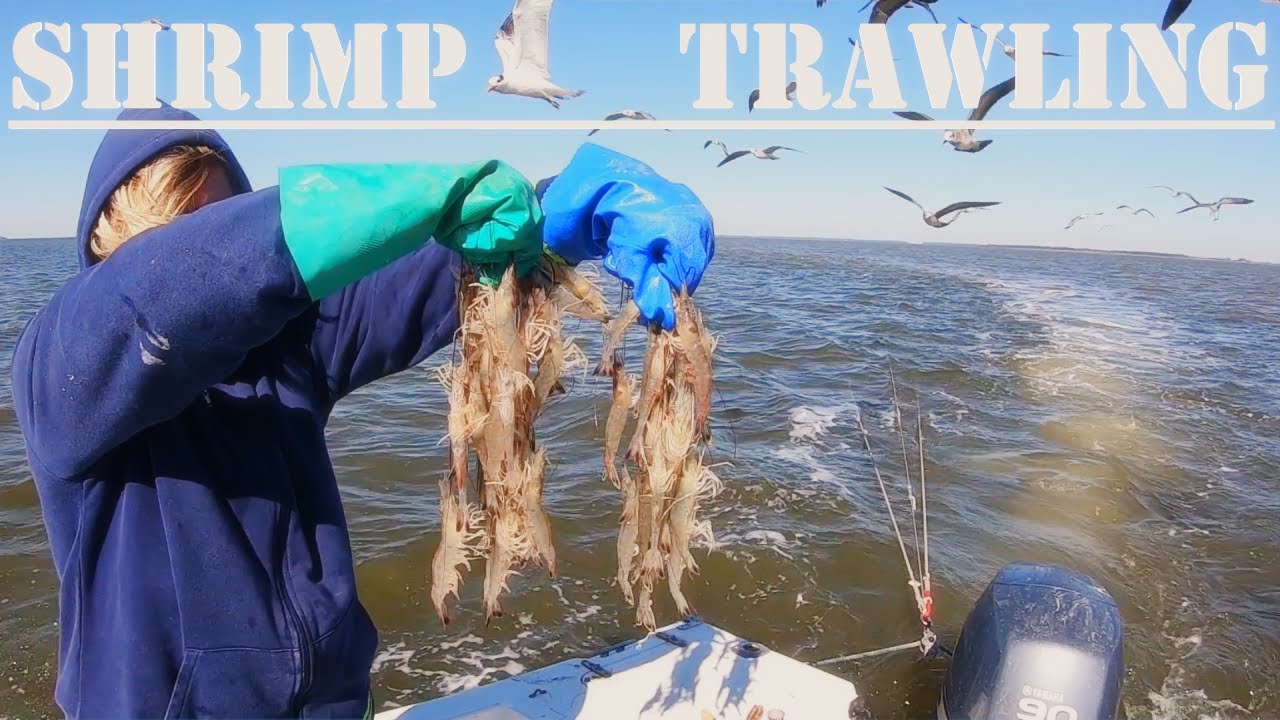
[(1116, 414)]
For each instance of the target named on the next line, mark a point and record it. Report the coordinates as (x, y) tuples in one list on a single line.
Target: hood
[(122, 152)]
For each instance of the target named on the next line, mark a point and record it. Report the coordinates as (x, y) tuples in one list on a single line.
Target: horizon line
[(916, 243), (641, 125)]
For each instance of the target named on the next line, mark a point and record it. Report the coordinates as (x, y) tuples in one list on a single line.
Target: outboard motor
[(1041, 643)]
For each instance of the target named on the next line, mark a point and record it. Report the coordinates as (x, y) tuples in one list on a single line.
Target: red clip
[(926, 615)]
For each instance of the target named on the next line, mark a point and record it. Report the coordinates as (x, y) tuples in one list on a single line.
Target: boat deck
[(686, 670)]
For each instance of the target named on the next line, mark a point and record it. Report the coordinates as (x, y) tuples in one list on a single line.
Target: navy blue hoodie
[(173, 399)]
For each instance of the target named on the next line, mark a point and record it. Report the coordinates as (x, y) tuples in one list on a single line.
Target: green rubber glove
[(343, 222)]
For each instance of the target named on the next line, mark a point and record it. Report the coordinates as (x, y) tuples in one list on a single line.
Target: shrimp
[(589, 300), (539, 527), (628, 530), (689, 330), (503, 320), (614, 334), (675, 574), (568, 304), (646, 542), (445, 576), (623, 399), (501, 559), (644, 609), (659, 516), (550, 365), (680, 520), (513, 355), (653, 384)]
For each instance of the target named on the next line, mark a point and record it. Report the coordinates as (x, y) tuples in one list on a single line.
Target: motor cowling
[(1041, 643)]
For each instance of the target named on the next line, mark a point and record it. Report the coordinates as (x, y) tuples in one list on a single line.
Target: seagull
[(884, 8), (163, 25), (1135, 211), (1215, 207), (1174, 11), (628, 114), (935, 219), (1172, 192), (521, 43), (709, 143), (768, 153), (1009, 50), (963, 140), (754, 97), (1078, 218)]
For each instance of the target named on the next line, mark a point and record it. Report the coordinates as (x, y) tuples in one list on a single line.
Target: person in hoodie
[(173, 395)]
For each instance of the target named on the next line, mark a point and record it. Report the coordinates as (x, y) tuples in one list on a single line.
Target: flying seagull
[(627, 114), (754, 97), (768, 153), (1215, 207), (521, 43), (1174, 11), (1078, 218), (163, 25), (1172, 192), (935, 219), (1135, 211), (963, 140), (1009, 50), (884, 8)]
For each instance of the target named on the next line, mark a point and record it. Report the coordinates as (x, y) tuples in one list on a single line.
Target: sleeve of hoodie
[(388, 321), (131, 341)]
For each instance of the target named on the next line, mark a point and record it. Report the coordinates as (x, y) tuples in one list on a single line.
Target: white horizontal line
[(641, 125)]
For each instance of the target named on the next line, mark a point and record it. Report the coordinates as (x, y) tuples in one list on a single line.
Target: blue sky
[(625, 54)]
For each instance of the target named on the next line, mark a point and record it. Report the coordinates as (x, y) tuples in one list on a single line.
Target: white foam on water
[(1101, 353), (807, 458), (1175, 701), (473, 665), (464, 640), (395, 655), (819, 470), (1100, 333), (586, 612), (449, 683), (767, 536), (811, 423), (826, 443), (764, 539)]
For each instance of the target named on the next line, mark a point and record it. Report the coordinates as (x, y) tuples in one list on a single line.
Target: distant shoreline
[(1037, 248), (1001, 246)]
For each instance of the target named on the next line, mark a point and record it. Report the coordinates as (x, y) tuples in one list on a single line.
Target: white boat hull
[(687, 670)]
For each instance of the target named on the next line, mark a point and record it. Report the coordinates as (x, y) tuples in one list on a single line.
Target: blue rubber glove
[(653, 234)]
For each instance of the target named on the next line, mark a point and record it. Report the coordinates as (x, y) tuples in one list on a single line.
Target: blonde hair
[(163, 189)]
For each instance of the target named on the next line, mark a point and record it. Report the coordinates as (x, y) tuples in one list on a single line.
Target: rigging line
[(914, 645), (924, 501), (906, 559), (906, 465)]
